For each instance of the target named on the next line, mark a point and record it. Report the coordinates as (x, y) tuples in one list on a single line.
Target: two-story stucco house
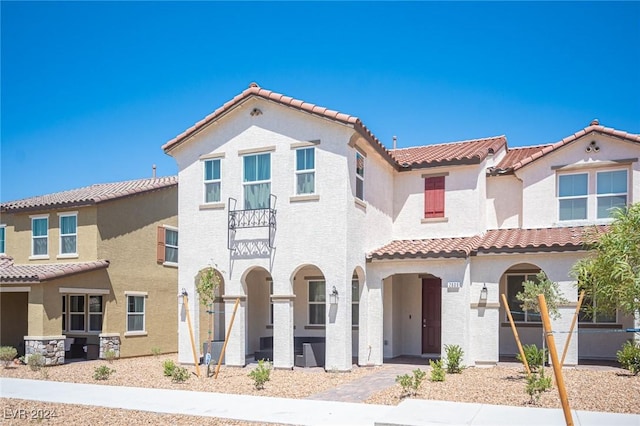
[(319, 231), (91, 269)]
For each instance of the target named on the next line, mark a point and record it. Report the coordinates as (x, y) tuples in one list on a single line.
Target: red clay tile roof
[(595, 127), (90, 194), (465, 152), (10, 273), (493, 241), (515, 155), (256, 91)]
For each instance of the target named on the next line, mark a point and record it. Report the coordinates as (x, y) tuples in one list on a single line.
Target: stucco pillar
[(237, 337), (185, 350), (338, 324), (36, 316), (371, 311), (283, 330)]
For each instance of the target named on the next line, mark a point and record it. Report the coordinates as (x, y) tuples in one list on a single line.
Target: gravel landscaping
[(611, 389)]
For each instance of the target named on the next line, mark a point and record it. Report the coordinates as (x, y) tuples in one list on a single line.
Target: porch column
[(236, 337), (371, 337), (338, 333), (283, 330)]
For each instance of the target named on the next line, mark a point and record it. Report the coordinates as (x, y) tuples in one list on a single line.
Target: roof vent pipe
[(153, 172), (395, 141)]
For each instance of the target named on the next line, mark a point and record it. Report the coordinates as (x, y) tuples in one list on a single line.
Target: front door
[(431, 304)]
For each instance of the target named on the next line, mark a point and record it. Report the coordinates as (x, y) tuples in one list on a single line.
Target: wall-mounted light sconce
[(484, 292), (181, 296), (333, 296)]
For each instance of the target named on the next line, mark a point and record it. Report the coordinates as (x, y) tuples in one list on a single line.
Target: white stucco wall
[(504, 202)]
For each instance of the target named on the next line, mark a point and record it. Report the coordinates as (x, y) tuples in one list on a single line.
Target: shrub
[(260, 374), (156, 351), (411, 384), (169, 367), (180, 375), (7, 354), (536, 384), (110, 355), (535, 357), (437, 371), (454, 358), (36, 362), (102, 373), (629, 357)]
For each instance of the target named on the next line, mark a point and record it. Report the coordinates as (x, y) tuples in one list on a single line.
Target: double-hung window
[(135, 313), (611, 191), (171, 245), (355, 301), (514, 286), (40, 236), (68, 233), (212, 181), (317, 302), (2, 239), (587, 315), (257, 181), (305, 171), (433, 196), (77, 313), (573, 195), (359, 176), (95, 313)]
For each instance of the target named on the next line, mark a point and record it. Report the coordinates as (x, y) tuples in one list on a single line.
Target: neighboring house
[(91, 269), (320, 231)]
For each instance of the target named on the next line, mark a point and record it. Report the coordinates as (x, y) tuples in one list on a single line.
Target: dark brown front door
[(431, 304)]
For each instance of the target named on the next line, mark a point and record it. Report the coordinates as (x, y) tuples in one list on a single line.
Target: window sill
[(39, 257), (434, 220), (523, 324), (135, 333), (170, 264), (360, 203), (212, 206), (67, 256), (612, 325), (314, 327), (301, 198)]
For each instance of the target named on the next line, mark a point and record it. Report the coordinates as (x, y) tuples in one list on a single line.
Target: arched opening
[(259, 315), (357, 284), (211, 315), (310, 315)]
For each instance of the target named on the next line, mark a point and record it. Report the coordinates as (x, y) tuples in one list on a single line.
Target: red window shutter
[(434, 197), (160, 251)]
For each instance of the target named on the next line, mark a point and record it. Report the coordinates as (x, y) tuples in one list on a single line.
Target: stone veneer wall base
[(109, 342), (51, 347)]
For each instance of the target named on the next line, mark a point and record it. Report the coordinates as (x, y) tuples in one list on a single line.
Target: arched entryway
[(258, 283), (311, 311), (211, 315)]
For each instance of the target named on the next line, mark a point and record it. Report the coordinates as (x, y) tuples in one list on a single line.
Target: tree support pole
[(515, 334), (573, 324), (185, 301), (226, 338)]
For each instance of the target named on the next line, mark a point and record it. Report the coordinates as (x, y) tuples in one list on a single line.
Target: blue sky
[(90, 90)]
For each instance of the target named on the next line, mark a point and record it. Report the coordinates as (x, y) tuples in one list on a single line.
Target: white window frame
[(171, 246), (71, 314), (94, 314), (211, 181), (574, 197), (515, 305), (34, 237), (245, 184), (360, 177), (311, 171), (615, 194), (3, 239), (355, 301), (594, 319), (143, 296), (322, 302), (75, 234)]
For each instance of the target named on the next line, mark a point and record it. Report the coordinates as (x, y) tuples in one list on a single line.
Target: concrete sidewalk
[(298, 411)]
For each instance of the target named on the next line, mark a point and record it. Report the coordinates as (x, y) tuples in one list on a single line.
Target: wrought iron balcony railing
[(251, 218)]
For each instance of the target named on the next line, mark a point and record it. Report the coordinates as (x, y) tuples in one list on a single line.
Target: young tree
[(610, 276), (207, 284), (541, 285)]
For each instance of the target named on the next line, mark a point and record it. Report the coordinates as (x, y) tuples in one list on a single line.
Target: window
[(135, 313), (64, 313), (611, 191), (572, 193), (167, 245), (434, 197), (79, 316), (305, 171), (95, 313), (257, 181), (76, 313), (68, 233), (2, 239), (355, 301), (40, 236), (212, 181), (586, 313), (359, 176), (270, 302), (317, 300), (514, 286)]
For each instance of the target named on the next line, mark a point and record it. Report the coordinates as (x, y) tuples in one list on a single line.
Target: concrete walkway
[(298, 411)]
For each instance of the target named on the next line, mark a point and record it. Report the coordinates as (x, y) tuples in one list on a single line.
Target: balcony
[(251, 218)]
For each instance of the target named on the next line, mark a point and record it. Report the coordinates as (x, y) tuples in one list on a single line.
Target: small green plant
[(36, 362), (110, 355), (261, 374), (169, 367), (535, 357), (156, 351), (7, 354), (437, 371), (102, 373), (541, 284), (629, 357), (411, 384), (180, 375), (454, 359), (536, 384)]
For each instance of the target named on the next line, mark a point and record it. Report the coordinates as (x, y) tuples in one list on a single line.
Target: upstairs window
[(167, 245), (359, 176), (611, 191), (68, 233), (572, 195), (434, 197), (257, 181), (317, 303), (305, 171), (212, 181), (40, 236), (2, 239)]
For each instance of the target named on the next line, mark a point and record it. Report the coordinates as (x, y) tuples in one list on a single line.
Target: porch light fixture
[(484, 292), (333, 297)]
